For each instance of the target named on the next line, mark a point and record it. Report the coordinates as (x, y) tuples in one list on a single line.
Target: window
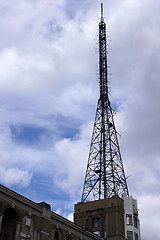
[(136, 236), (128, 219), (28, 222), (129, 235), (104, 222), (135, 221), (87, 224), (56, 234), (96, 222), (27, 227), (68, 237)]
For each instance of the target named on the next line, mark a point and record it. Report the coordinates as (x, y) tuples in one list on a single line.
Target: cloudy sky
[(49, 92)]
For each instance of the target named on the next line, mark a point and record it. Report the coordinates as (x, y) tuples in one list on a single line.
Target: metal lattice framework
[(105, 175)]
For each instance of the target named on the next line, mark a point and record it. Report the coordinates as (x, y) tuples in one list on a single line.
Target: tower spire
[(105, 175), (102, 18)]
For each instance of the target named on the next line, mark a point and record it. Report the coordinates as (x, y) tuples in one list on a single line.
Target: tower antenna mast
[(105, 176), (102, 18)]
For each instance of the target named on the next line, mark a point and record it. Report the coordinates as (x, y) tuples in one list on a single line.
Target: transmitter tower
[(105, 175), (106, 208)]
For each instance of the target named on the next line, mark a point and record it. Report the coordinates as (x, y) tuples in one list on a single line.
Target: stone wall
[(23, 219)]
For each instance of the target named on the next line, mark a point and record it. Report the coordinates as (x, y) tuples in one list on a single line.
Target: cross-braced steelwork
[(105, 175)]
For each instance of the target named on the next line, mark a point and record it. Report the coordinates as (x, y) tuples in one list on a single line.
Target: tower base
[(103, 217)]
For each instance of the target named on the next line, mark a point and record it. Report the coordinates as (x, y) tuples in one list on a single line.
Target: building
[(132, 222), (103, 217), (111, 218), (23, 219)]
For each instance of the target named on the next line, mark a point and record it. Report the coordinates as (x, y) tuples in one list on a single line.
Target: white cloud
[(58, 211), (15, 176), (69, 217), (72, 155), (48, 67), (74, 100), (148, 205), (22, 74)]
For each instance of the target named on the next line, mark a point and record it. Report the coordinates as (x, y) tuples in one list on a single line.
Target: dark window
[(68, 237), (136, 236), (129, 235), (56, 234), (128, 219), (9, 224), (87, 224), (104, 222), (96, 222), (135, 222)]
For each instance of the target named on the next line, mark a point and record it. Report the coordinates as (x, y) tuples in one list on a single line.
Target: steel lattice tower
[(105, 175)]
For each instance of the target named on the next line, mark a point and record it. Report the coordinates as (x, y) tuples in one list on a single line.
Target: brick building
[(103, 217)]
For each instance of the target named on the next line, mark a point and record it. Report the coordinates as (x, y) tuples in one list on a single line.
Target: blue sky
[(49, 92)]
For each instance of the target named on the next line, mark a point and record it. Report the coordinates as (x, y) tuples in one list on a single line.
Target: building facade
[(112, 218), (131, 218), (103, 217), (23, 219)]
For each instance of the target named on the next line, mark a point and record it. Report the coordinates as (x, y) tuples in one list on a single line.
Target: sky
[(49, 92)]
